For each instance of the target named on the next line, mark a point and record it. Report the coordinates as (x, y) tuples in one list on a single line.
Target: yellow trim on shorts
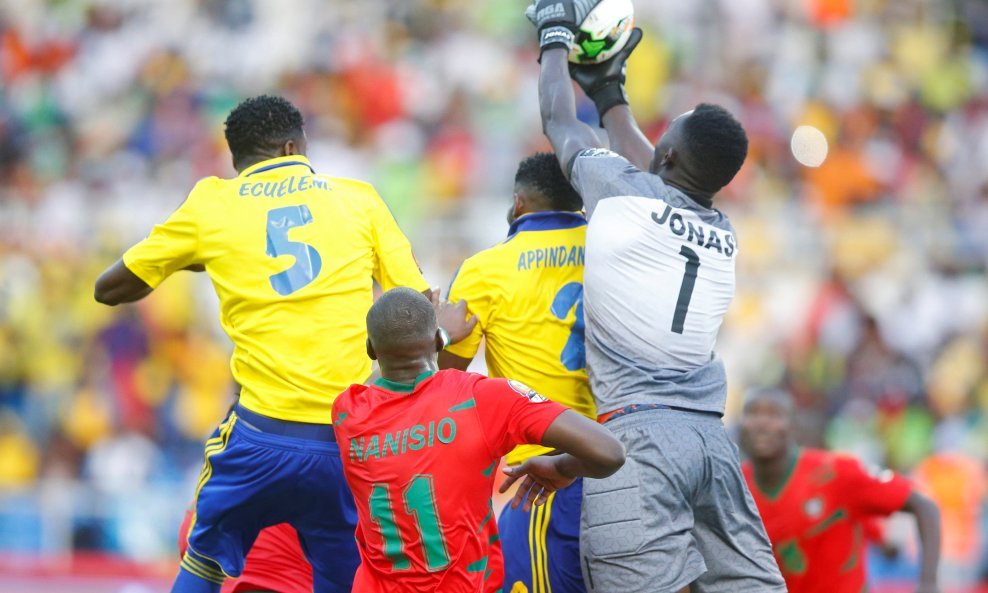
[(202, 570), (545, 530), (213, 446), (538, 527)]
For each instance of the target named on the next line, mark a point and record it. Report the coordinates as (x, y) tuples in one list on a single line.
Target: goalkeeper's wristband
[(445, 337), (556, 36), (608, 96)]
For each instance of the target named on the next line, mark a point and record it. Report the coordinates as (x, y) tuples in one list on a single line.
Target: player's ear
[(440, 341), (370, 350), (291, 147), (668, 158)]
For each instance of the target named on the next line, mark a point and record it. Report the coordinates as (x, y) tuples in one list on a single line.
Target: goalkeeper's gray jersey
[(658, 280)]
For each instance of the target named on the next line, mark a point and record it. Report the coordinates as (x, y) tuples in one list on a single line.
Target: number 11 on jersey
[(420, 503)]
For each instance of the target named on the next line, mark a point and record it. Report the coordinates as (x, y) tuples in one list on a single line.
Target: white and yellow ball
[(604, 32)]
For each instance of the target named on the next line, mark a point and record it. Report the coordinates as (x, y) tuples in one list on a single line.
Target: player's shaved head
[(401, 324), (261, 128)]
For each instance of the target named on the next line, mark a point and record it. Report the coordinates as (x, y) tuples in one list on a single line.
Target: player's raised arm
[(604, 84), (556, 21), (171, 246)]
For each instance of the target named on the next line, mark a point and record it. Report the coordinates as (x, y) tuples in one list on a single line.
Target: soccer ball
[(604, 32)]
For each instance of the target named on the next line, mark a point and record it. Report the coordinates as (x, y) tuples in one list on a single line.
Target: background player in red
[(275, 563), (420, 448), (816, 505)]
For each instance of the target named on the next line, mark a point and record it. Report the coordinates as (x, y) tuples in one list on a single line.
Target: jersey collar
[(402, 387), (546, 221), (292, 160), (775, 493)]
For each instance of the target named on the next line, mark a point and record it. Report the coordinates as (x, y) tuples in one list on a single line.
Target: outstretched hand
[(541, 476), (604, 82), (558, 20), (452, 317)]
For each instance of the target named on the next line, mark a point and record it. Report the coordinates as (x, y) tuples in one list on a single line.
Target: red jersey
[(275, 561), (420, 462), (816, 520)]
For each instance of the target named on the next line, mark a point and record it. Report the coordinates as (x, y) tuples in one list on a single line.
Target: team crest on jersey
[(532, 395), (813, 507)]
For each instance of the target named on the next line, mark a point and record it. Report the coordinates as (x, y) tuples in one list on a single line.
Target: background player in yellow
[(292, 255), (527, 293)]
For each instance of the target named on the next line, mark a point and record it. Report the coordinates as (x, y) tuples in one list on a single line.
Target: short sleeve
[(513, 414), (394, 264), (598, 173), (472, 285), (170, 247), (877, 492)]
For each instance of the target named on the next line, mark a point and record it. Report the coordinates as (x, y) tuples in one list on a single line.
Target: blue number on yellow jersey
[(527, 293), (292, 256)]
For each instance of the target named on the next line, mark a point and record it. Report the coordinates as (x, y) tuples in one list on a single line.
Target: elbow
[(104, 294), (612, 458), (104, 298)]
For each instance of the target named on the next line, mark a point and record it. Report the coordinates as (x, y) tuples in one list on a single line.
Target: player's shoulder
[(357, 187), (210, 185), (487, 259), (811, 459), (828, 466), (344, 401), (598, 153), (456, 377), (484, 269)]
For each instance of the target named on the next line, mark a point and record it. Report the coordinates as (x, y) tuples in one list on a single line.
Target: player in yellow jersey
[(527, 292), (292, 255)]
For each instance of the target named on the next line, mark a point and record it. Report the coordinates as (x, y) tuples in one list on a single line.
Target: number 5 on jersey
[(307, 264)]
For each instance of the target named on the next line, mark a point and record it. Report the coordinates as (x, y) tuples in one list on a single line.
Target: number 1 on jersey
[(685, 289)]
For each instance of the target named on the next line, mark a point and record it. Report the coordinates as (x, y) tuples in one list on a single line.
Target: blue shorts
[(542, 547), (253, 479)]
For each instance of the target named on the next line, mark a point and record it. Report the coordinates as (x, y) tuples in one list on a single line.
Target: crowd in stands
[(861, 283)]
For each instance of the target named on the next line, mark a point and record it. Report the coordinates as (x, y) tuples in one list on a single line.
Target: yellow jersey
[(292, 256), (527, 293)]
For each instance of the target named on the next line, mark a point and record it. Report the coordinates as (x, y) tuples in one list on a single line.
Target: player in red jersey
[(275, 563), (420, 448), (816, 505)]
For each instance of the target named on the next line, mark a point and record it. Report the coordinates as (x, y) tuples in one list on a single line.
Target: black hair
[(401, 319), (542, 172), (259, 126), (717, 143)]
